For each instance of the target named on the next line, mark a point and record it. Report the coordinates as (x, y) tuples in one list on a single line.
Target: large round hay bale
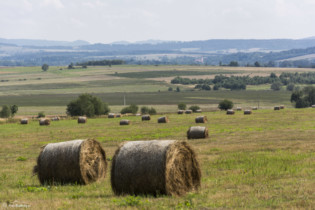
[(111, 115), (188, 111), (201, 119), (180, 112), (44, 122), (118, 115), (163, 119), (82, 119), (238, 108), (276, 108), (230, 112), (198, 111), (146, 117), (24, 121), (155, 167), (197, 132), (77, 161), (254, 108), (281, 106), (124, 122), (247, 112)]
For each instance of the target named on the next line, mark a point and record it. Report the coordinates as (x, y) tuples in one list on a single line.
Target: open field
[(264, 160)]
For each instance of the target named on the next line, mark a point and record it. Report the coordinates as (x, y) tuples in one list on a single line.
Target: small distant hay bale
[(198, 111), (76, 161), (118, 115), (180, 112), (24, 121), (163, 119), (124, 122), (238, 108), (44, 122), (138, 114), (197, 132), (254, 108), (146, 117), (82, 120), (247, 112), (157, 167), (230, 112), (111, 115), (276, 108), (281, 106), (188, 111), (55, 119), (201, 119)]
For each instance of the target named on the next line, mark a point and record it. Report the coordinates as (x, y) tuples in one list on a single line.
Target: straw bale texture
[(281, 106), (146, 117), (163, 119), (76, 161), (44, 122), (230, 112), (124, 122), (155, 167), (82, 119), (201, 119), (180, 112), (197, 132), (239, 109), (246, 112), (24, 121), (188, 111), (276, 108), (111, 115)]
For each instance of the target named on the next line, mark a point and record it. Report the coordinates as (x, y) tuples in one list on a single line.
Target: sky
[(106, 21)]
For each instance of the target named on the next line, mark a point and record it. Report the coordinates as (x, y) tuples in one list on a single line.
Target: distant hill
[(42, 43)]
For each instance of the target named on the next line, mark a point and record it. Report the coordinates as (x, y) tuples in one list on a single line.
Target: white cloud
[(54, 3)]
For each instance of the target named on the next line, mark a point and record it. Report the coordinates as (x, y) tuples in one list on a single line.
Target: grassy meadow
[(263, 160)]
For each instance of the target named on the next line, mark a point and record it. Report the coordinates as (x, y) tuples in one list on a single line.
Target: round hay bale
[(76, 161), (313, 106), (188, 111), (124, 122), (111, 115), (118, 115), (44, 122), (230, 112), (82, 119), (197, 132), (247, 112), (254, 108), (146, 117), (238, 108), (180, 112), (163, 119), (155, 167), (198, 111), (201, 119), (24, 121), (55, 119), (276, 108), (281, 106)]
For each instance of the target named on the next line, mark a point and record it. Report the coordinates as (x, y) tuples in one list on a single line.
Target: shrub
[(144, 110), (290, 87), (181, 106), (170, 89), (194, 108), (216, 87), (303, 98), (88, 105), (14, 109), (41, 114), (152, 111), (130, 109), (276, 86), (5, 112), (225, 104)]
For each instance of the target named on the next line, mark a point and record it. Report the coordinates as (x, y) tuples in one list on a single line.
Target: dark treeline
[(240, 82), (102, 63)]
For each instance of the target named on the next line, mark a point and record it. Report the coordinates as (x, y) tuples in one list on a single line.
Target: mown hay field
[(263, 160)]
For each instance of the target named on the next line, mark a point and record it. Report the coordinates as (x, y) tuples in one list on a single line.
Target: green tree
[(41, 114), (5, 112), (88, 105), (170, 89), (144, 110), (225, 105), (181, 106), (177, 89), (257, 64), (152, 111), (303, 98), (194, 108), (45, 67), (14, 109), (276, 86), (290, 87), (130, 109)]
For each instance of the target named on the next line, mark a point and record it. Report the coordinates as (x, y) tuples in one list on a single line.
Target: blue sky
[(107, 21)]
